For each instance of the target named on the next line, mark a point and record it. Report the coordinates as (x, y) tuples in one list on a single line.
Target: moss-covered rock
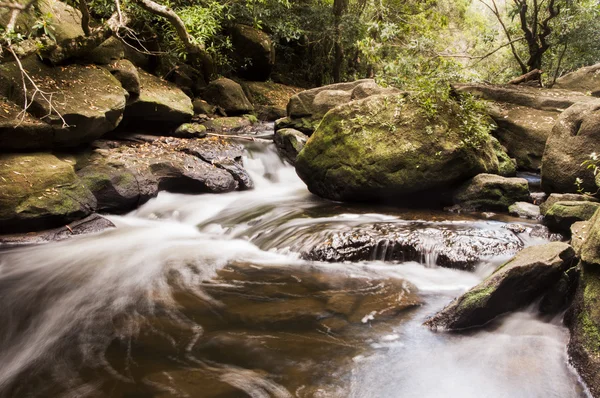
[(306, 125), (590, 249), (491, 192), (160, 104), (87, 98), (22, 131), (190, 130), (385, 146), (513, 285), (228, 95), (574, 137), (289, 143), (40, 191), (562, 215), (507, 167), (564, 197)]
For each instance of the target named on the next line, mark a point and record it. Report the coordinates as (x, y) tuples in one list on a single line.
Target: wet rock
[(228, 95), (561, 215), (531, 273), (305, 125), (491, 192), (289, 143), (160, 105), (127, 74), (190, 130), (525, 210), (91, 224), (89, 99), (584, 80), (302, 299), (373, 148), (123, 175), (254, 54), (40, 191), (574, 137), (564, 197), (446, 245), (560, 296)]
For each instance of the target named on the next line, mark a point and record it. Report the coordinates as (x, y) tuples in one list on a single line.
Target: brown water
[(207, 296)]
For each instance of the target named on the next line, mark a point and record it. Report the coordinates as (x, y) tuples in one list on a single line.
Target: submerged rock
[(289, 143), (531, 273), (40, 191), (383, 146), (561, 215), (491, 192), (446, 245), (574, 138)]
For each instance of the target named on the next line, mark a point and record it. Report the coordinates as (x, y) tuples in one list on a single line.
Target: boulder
[(160, 105), (579, 233), (188, 78), (590, 249), (228, 95), (289, 143), (127, 74), (107, 52), (524, 115), (564, 197), (585, 80), (66, 20), (254, 52), (562, 215), (524, 210), (40, 191), (87, 102), (384, 146), (202, 107), (560, 296), (305, 125), (22, 131), (574, 138), (491, 192), (123, 175), (459, 245), (519, 282), (507, 167), (269, 99), (228, 125), (190, 130)]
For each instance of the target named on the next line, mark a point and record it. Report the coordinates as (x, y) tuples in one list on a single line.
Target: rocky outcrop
[(378, 147), (575, 136), (561, 215), (228, 95), (160, 105), (254, 54), (515, 284), (525, 117), (40, 191), (289, 143), (491, 192), (585, 80), (123, 175), (87, 103)]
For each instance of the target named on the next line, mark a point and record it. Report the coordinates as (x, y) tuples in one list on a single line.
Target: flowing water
[(208, 296)]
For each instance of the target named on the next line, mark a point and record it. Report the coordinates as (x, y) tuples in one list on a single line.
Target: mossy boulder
[(517, 283), (575, 136), (40, 191), (306, 125), (562, 215), (507, 167), (564, 197), (160, 104), (228, 95), (289, 143), (590, 249), (112, 49), (384, 146), (491, 192), (87, 98), (585, 80), (190, 130), (254, 52)]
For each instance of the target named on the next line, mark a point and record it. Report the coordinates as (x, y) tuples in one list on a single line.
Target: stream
[(211, 296)]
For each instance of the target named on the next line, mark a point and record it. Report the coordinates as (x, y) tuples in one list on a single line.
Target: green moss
[(476, 298)]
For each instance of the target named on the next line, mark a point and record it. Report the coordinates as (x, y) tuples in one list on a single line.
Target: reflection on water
[(207, 296)]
